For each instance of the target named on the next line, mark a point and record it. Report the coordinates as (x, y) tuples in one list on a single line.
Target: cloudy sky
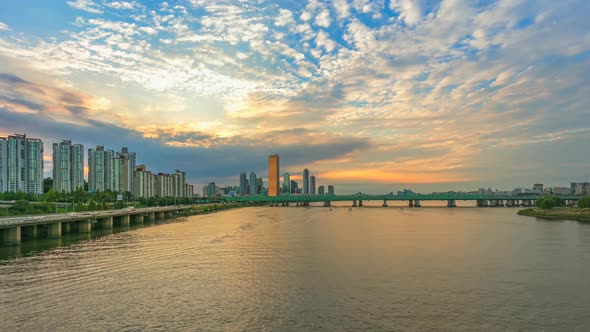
[(371, 96)]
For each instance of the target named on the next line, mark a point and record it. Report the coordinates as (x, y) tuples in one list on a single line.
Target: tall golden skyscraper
[(273, 175)]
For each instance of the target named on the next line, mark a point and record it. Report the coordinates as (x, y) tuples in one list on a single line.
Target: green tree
[(47, 184), (584, 202), (51, 195), (550, 202)]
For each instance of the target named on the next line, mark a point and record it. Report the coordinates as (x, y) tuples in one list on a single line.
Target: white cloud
[(122, 4), (3, 26), (285, 18), (323, 19), (342, 8), (85, 5), (410, 10)]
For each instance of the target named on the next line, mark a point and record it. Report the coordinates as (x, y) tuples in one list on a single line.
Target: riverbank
[(562, 213)]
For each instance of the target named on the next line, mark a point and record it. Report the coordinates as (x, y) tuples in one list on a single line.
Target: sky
[(371, 96)]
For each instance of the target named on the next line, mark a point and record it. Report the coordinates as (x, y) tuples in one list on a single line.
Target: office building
[(306, 181), (286, 183), (320, 190), (331, 190), (21, 164), (312, 185), (294, 189), (68, 166), (260, 186), (273, 176), (253, 181), (211, 189), (244, 187)]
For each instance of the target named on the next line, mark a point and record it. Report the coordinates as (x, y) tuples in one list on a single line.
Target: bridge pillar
[(327, 203), (29, 232), (411, 203), (384, 203), (160, 215), (151, 216), (417, 203), (54, 230), (138, 218), (360, 203), (66, 227), (106, 223), (125, 220), (451, 203), (286, 203), (479, 203), (84, 226), (354, 203), (11, 236)]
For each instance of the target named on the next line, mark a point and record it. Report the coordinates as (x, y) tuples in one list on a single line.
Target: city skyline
[(373, 96)]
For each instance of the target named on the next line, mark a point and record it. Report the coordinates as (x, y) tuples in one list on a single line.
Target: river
[(307, 269)]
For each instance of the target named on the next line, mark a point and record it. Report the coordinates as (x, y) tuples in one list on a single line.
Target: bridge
[(54, 225), (413, 200)]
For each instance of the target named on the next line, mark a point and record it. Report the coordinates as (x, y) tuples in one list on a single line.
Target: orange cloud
[(382, 176)]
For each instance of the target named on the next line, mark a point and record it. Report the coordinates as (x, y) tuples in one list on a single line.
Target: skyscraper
[(273, 176), (243, 184), (259, 185), (21, 164), (253, 184), (294, 189), (320, 190), (312, 185), (179, 183), (68, 166), (211, 188), (306, 181), (286, 183)]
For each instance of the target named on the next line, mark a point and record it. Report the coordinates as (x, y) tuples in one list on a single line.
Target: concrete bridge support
[(360, 203), (138, 219), (327, 203), (411, 203), (11, 236), (160, 215), (30, 232), (479, 203), (125, 220), (354, 203), (384, 203), (106, 223), (286, 203), (417, 203), (66, 227), (54, 230), (151, 217), (84, 226), (451, 203)]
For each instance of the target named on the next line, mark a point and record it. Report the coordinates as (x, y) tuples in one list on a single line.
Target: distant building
[(179, 183), (538, 188), (205, 191), (126, 170), (253, 181), (306, 181), (21, 164), (273, 176), (582, 188), (100, 169), (211, 189), (312, 185), (561, 190), (144, 183), (286, 183), (189, 190), (260, 186), (68, 166), (244, 188), (320, 190), (331, 190), (294, 189)]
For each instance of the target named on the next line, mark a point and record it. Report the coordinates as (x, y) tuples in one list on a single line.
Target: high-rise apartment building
[(21, 164), (100, 170), (68, 166), (253, 181), (286, 183), (306, 181), (3, 164), (273, 176), (180, 181), (312, 185), (144, 183), (127, 168)]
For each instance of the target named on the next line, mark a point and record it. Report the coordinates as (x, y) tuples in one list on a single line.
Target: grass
[(558, 213)]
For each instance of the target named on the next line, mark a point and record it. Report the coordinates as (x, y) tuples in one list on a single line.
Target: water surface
[(294, 269)]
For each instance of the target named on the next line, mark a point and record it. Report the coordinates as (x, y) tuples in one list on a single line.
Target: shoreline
[(559, 214)]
